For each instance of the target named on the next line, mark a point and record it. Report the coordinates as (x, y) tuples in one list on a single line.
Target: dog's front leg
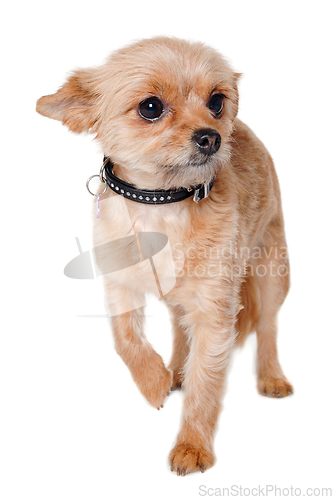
[(146, 366), (212, 338)]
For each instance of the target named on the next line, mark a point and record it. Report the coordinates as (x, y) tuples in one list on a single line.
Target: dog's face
[(162, 109)]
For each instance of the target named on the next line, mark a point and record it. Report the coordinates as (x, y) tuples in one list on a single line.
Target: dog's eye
[(151, 108), (215, 104)]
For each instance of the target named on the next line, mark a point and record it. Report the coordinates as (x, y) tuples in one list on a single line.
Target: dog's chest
[(173, 222), (168, 219), (158, 231)]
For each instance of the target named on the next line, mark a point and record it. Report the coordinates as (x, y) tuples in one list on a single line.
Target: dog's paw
[(177, 381), (155, 385), (185, 458), (274, 387)]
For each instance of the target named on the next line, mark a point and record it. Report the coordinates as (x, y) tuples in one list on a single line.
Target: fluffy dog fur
[(210, 311)]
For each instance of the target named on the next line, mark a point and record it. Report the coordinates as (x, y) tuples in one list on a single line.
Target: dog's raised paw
[(155, 383), (186, 458), (274, 387)]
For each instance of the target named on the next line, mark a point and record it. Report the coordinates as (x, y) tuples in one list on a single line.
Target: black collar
[(151, 197)]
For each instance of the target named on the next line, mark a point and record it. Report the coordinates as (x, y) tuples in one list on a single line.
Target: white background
[(73, 424)]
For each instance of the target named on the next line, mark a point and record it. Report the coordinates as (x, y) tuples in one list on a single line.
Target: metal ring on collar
[(88, 181)]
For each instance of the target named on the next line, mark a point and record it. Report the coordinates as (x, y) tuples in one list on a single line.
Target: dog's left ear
[(74, 104), (236, 77)]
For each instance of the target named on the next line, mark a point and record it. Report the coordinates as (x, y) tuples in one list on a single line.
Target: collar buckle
[(201, 193)]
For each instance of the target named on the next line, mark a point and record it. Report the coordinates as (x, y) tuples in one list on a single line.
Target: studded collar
[(152, 197)]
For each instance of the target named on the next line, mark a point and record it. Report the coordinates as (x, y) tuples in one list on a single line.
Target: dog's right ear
[(75, 102)]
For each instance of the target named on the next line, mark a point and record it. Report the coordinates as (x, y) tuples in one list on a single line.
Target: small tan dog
[(164, 110)]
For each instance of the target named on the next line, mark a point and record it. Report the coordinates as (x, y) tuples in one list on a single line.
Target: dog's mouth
[(198, 161), (197, 169), (188, 168), (191, 173)]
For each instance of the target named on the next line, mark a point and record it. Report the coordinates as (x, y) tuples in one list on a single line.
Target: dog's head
[(162, 109)]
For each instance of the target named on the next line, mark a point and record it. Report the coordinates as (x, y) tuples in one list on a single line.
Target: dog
[(164, 111)]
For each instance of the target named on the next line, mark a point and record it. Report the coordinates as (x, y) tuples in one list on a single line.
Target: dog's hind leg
[(271, 273), (180, 349)]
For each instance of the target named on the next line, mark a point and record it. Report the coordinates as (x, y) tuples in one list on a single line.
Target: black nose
[(208, 141)]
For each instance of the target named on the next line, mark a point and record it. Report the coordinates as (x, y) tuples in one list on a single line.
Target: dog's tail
[(249, 315)]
